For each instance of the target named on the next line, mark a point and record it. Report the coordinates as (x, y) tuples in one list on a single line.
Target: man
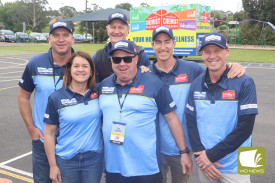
[(117, 29), (220, 115), (130, 102), (178, 74), (44, 74)]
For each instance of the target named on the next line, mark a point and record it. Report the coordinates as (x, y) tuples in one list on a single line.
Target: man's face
[(117, 30), (163, 46), (215, 57), (61, 41), (125, 72)]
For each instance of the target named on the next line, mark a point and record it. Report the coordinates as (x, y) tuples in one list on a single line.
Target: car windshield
[(8, 33)]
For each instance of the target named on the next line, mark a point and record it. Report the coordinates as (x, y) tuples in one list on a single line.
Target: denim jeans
[(118, 178), (40, 164), (84, 167)]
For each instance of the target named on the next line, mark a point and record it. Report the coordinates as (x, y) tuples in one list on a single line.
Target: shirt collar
[(135, 82), (174, 70), (220, 82), (71, 94)]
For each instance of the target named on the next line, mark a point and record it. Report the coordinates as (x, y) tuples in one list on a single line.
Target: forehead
[(163, 36), (211, 46), (60, 31), (80, 60), (116, 22)]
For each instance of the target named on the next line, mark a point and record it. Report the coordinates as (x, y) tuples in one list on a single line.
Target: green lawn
[(236, 55)]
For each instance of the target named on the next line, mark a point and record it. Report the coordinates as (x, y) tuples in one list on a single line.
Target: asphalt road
[(15, 143)]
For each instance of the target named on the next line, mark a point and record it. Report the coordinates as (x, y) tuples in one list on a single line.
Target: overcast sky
[(232, 5)]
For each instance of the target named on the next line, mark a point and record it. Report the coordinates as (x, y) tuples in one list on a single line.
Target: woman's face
[(80, 70)]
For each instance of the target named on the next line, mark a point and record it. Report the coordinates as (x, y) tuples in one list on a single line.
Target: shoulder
[(57, 94), (39, 59), (189, 64)]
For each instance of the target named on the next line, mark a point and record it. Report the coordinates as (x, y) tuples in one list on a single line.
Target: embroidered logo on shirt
[(199, 95), (42, 70), (172, 104), (68, 101), (181, 78), (94, 95), (46, 115), (139, 89), (229, 94), (107, 89)]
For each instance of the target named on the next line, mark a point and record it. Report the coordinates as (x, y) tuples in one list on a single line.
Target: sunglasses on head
[(127, 59)]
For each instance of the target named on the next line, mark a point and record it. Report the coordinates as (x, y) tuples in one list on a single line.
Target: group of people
[(105, 112)]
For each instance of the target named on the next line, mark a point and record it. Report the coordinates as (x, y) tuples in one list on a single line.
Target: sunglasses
[(127, 59)]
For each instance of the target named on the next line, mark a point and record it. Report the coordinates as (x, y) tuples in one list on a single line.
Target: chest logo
[(229, 94), (107, 89), (94, 95), (181, 78), (139, 89)]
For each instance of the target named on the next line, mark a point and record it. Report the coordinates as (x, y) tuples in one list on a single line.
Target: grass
[(236, 55)]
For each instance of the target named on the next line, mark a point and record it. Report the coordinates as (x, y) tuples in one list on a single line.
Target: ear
[(227, 53)]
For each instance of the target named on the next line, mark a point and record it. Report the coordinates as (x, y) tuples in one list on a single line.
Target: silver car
[(37, 37), (7, 36)]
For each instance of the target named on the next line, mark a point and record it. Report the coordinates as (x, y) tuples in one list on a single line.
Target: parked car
[(37, 37), (22, 37), (45, 34), (79, 37), (89, 37), (7, 36)]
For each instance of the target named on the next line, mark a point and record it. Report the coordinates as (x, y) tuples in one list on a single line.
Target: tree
[(260, 9), (240, 16), (144, 5), (67, 12), (125, 6), (217, 14)]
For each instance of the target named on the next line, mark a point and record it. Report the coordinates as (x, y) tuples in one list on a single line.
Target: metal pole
[(86, 30), (93, 32)]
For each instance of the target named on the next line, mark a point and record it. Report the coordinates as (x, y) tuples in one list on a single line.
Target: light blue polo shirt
[(148, 96), (179, 80), (78, 120)]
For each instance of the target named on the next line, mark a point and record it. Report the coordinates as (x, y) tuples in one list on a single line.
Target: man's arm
[(26, 113), (178, 134)]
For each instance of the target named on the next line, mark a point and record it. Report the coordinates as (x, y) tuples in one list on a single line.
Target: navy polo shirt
[(216, 112), (39, 76), (78, 121), (147, 96), (179, 80)]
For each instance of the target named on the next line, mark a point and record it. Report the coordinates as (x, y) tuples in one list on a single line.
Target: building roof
[(101, 15)]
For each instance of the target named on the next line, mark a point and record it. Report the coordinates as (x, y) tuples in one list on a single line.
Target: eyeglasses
[(127, 59)]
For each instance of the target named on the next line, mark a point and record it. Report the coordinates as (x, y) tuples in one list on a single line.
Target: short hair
[(68, 77)]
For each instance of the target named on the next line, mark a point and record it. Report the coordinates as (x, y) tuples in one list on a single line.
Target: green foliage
[(125, 6), (222, 27), (101, 35)]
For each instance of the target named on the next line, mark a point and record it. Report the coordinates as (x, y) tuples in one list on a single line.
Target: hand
[(202, 160), (35, 133), (55, 174), (236, 70), (144, 69), (186, 164), (211, 172)]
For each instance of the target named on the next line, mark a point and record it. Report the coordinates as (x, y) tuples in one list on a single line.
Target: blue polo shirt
[(39, 76), (217, 110), (179, 80), (147, 96), (78, 121)]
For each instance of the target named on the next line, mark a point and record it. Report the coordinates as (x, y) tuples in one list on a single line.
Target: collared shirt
[(38, 76), (78, 121), (147, 96), (179, 80), (216, 112)]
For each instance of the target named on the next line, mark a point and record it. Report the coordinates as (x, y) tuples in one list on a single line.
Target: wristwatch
[(186, 150)]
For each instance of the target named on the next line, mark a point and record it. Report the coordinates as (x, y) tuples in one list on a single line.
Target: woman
[(72, 132)]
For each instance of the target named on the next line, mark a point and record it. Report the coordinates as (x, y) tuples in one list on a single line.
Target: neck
[(80, 88), (166, 65), (216, 75), (61, 59)]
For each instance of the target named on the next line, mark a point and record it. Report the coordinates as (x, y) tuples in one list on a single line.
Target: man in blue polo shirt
[(220, 115), (178, 74), (44, 74), (130, 102)]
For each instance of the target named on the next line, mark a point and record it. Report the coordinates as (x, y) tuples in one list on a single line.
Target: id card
[(118, 133)]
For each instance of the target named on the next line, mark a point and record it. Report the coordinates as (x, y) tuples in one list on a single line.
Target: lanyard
[(60, 76), (121, 104)]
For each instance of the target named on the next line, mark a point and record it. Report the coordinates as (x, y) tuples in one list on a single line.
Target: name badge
[(118, 133)]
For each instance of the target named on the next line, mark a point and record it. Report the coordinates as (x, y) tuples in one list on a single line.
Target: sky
[(232, 5)]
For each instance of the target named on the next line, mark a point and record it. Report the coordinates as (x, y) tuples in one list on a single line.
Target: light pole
[(86, 29)]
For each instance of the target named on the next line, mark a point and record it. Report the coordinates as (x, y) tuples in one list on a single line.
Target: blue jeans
[(40, 164), (84, 167)]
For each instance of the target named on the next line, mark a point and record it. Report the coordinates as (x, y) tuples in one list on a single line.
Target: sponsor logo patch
[(42, 70), (73, 101), (181, 78), (172, 104), (229, 94), (94, 95), (199, 95), (139, 89), (46, 115), (107, 89), (213, 38)]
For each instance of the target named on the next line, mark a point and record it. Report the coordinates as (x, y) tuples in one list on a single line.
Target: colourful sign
[(185, 21)]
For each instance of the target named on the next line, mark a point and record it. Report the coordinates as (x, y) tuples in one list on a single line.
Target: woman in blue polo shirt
[(72, 132)]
